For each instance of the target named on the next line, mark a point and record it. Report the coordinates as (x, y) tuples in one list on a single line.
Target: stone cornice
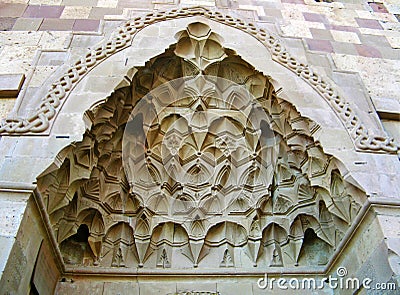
[(366, 209)]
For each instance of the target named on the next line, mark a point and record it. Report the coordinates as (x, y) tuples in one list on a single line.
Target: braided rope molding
[(39, 122)]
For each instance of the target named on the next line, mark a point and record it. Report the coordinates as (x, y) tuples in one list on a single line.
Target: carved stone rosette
[(198, 163)]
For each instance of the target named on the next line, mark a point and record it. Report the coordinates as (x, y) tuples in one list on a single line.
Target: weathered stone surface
[(46, 274), (10, 85), (350, 219)]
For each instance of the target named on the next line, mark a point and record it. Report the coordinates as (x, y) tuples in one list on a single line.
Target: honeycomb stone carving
[(50, 104), (197, 164)]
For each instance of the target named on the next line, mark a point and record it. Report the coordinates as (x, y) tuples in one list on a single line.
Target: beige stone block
[(365, 244), (16, 1), (390, 225), (343, 36), (31, 222), (55, 40), (112, 17), (20, 38), (374, 73), (159, 288), (292, 14), (49, 147), (335, 139), (392, 128), (6, 106), (80, 287), (196, 285), (378, 185), (141, 56), (7, 145), (291, 6), (14, 279), (10, 85), (11, 213), (107, 3), (167, 32), (150, 31), (20, 58), (75, 12), (52, 58), (69, 125), (258, 9), (386, 17), (364, 14), (343, 17), (127, 13), (391, 27), (315, 25), (368, 31), (40, 75), (196, 2), (234, 288), (349, 260), (20, 174), (296, 31), (80, 43), (101, 84), (112, 288), (27, 24), (376, 266), (6, 244), (386, 164), (45, 2), (392, 6), (394, 41), (80, 101), (323, 5), (386, 105)]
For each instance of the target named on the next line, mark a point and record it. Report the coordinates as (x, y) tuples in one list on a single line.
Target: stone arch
[(55, 98), (290, 174), (91, 243), (168, 240), (118, 249), (274, 239), (222, 243)]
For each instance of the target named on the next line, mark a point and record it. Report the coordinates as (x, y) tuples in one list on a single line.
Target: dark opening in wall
[(33, 290), (82, 234), (76, 248), (314, 251)]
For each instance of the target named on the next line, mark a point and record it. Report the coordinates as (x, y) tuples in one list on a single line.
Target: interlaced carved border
[(47, 109)]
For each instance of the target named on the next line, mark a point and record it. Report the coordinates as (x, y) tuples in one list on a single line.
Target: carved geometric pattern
[(50, 104), (293, 207)]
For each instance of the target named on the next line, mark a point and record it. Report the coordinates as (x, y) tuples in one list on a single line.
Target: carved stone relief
[(47, 110), (198, 163)]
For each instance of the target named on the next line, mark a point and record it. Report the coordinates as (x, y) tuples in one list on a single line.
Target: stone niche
[(197, 164)]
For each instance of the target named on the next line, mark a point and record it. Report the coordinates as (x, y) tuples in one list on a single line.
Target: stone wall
[(353, 45), (357, 36)]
